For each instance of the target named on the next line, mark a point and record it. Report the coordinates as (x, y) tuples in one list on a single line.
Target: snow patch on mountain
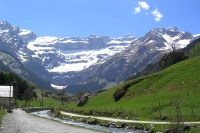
[(45, 40), (58, 87), (172, 41), (77, 60), (152, 41), (76, 53), (24, 32), (197, 35)]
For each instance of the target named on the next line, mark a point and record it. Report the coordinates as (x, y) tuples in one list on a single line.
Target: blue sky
[(114, 18)]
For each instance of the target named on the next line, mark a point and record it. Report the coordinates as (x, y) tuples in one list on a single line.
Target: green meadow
[(171, 93)]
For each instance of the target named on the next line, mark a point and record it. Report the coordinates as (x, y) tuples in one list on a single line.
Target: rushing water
[(94, 127)]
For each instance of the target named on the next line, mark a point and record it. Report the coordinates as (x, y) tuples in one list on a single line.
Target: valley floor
[(20, 121)]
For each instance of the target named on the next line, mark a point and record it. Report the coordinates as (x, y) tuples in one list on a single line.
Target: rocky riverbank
[(130, 125)]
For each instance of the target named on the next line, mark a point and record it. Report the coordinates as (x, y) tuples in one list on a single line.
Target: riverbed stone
[(128, 127), (93, 121), (123, 125), (111, 124), (186, 127)]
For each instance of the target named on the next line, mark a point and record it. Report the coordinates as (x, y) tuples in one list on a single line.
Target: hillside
[(157, 95), (11, 64)]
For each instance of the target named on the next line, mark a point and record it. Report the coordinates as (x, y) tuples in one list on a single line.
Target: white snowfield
[(123, 120), (58, 87), (170, 40), (49, 49), (76, 60), (24, 32), (196, 35)]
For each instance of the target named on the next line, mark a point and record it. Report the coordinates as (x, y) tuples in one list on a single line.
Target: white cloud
[(137, 9), (143, 5), (157, 15)]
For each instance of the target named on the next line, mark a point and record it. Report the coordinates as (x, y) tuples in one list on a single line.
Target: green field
[(2, 113), (37, 102), (172, 92)]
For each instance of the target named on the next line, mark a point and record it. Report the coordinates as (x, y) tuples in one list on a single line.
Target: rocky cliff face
[(141, 52)]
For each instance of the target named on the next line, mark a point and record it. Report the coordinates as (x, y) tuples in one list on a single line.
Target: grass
[(36, 102), (2, 113), (176, 88)]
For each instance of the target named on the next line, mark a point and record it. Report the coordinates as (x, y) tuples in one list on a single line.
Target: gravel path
[(21, 122)]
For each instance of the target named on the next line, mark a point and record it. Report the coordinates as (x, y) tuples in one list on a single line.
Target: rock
[(128, 127), (123, 125), (186, 127), (167, 131), (83, 99), (117, 126), (171, 58), (93, 121), (82, 120), (151, 126), (146, 129), (111, 124), (140, 128), (163, 118), (119, 93)]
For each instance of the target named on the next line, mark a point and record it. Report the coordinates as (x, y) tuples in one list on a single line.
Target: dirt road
[(21, 122)]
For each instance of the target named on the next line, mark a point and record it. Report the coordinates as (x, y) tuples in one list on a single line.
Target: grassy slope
[(178, 85), (2, 113)]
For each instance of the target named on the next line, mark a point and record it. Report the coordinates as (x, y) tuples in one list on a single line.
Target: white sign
[(6, 91)]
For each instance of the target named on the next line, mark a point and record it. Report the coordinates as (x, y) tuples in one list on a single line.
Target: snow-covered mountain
[(52, 58), (72, 60), (74, 53), (143, 51)]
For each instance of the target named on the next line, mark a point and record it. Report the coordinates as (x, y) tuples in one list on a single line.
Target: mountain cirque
[(74, 60)]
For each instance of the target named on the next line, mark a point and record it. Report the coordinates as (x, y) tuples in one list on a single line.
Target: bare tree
[(63, 93), (173, 45)]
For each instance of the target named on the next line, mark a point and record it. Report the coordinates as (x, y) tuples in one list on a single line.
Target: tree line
[(22, 90), (195, 51)]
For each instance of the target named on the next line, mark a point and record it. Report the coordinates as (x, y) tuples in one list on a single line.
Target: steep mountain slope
[(140, 53), (14, 52), (11, 64), (168, 59), (143, 51)]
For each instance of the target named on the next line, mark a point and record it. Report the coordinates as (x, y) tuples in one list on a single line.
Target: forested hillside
[(22, 90)]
